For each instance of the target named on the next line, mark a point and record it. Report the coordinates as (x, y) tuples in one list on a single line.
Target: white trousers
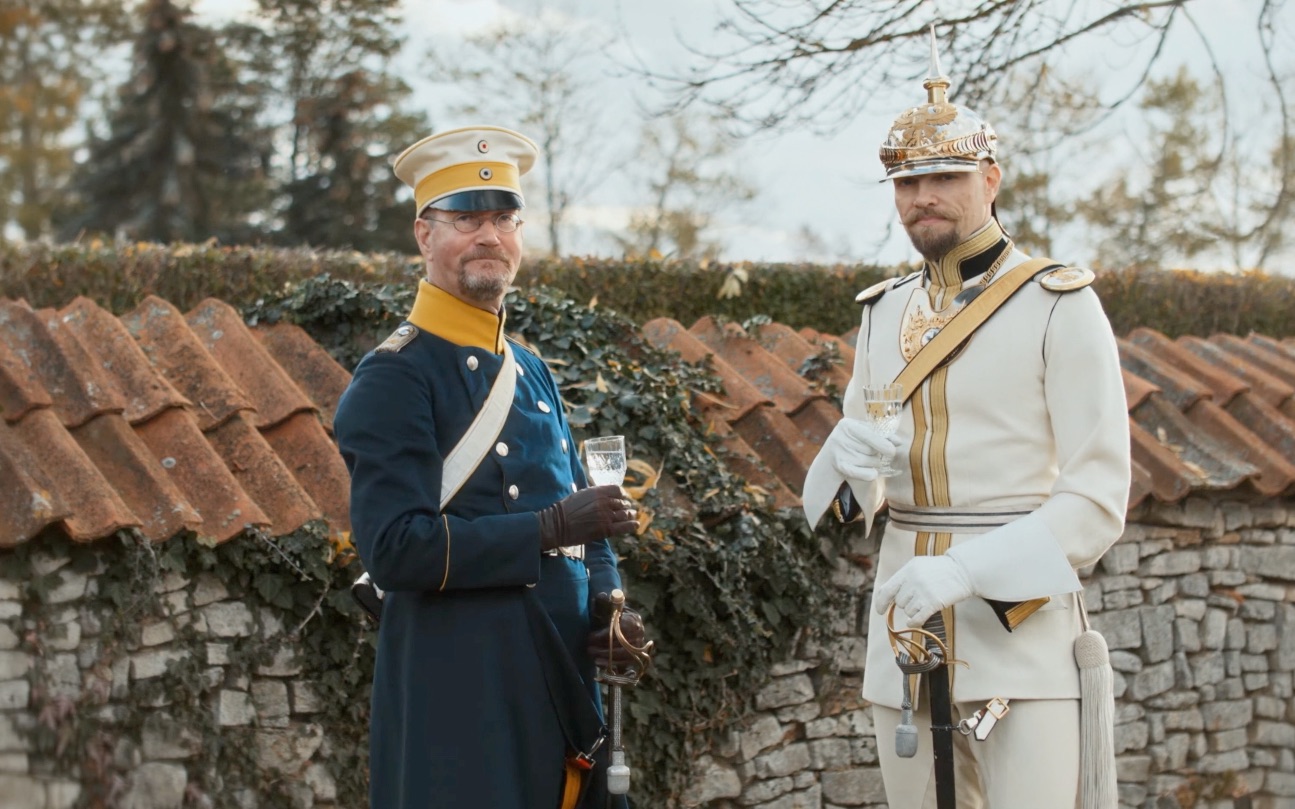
[(1029, 761)]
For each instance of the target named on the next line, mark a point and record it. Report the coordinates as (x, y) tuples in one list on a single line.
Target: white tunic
[(1030, 417)]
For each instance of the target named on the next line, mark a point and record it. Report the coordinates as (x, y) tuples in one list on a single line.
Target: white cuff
[(821, 484)]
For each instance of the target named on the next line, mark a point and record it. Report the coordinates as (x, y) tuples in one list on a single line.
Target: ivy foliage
[(726, 583), (295, 591)]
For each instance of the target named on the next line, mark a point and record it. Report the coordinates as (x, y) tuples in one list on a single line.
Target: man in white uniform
[(1014, 472)]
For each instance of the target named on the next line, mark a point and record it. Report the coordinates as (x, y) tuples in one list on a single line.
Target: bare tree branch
[(792, 64)]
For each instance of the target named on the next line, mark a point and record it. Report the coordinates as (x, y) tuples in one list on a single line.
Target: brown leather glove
[(587, 516), (631, 627)]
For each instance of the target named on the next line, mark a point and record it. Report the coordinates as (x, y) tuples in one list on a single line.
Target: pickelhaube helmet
[(937, 136)]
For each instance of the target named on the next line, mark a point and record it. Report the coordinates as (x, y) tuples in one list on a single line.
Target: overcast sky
[(826, 182)]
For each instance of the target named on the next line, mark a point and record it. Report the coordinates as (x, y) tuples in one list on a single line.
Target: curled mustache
[(912, 218), (483, 253)]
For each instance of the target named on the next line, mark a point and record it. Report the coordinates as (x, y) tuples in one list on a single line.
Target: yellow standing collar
[(438, 312)]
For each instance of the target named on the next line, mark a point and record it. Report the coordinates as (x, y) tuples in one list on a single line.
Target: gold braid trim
[(445, 580)]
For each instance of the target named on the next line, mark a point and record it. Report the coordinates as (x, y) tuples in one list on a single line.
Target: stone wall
[(202, 705), (1197, 603)]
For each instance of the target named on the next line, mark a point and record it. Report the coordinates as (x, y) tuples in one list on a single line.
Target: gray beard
[(483, 289)]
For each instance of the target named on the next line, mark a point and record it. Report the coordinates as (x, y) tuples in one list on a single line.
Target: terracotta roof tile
[(20, 390), (310, 366), (1266, 355), (1213, 414), (1221, 384), (1145, 374), (179, 355), (306, 451), (1259, 381), (273, 394), (1202, 461), (1167, 478), (151, 490), (29, 501), (781, 417), (143, 391), (797, 349), (71, 380), (162, 422)]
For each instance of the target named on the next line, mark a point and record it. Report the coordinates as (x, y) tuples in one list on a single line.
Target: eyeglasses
[(470, 223)]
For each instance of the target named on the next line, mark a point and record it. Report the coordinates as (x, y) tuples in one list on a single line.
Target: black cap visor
[(485, 199)]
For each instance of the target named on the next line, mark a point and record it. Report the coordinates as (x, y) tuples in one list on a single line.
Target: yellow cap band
[(466, 177)]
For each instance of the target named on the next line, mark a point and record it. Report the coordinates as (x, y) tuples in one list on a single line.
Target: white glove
[(857, 449), (850, 453), (924, 586)]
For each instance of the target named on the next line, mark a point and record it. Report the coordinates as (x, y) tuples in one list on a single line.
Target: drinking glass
[(605, 458), (882, 407)]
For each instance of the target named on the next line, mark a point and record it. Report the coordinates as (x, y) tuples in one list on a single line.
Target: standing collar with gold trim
[(974, 256), (438, 312)]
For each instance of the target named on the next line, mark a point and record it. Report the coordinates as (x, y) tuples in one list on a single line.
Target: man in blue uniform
[(483, 692)]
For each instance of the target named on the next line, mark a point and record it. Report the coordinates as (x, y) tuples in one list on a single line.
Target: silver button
[(544, 407), (501, 448), (472, 363), (513, 491), (403, 330), (564, 445), (573, 486), (521, 371)]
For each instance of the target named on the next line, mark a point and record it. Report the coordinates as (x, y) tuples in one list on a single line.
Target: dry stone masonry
[(1197, 602), (84, 725)]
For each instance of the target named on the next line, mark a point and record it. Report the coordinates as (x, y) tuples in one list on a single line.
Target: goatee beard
[(483, 287), (932, 244)]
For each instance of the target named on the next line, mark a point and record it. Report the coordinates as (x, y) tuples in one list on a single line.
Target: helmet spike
[(937, 136), (936, 84)]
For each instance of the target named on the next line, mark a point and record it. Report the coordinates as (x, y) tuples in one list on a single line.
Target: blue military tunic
[(463, 715)]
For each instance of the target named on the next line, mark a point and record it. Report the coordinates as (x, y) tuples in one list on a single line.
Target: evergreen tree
[(349, 196), (44, 81), (179, 162), (328, 64)]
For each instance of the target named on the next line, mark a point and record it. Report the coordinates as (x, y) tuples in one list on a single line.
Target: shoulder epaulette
[(399, 338), (870, 295), (519, 344), (1065, 279)]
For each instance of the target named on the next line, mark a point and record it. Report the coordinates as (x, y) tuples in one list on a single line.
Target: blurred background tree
[(183, 159), (543, 76), (686, 169), (279, 127), (46, 84), (339, 111)]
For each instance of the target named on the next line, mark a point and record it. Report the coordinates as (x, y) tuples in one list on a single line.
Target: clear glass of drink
[(605, 459), (883, 405)]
